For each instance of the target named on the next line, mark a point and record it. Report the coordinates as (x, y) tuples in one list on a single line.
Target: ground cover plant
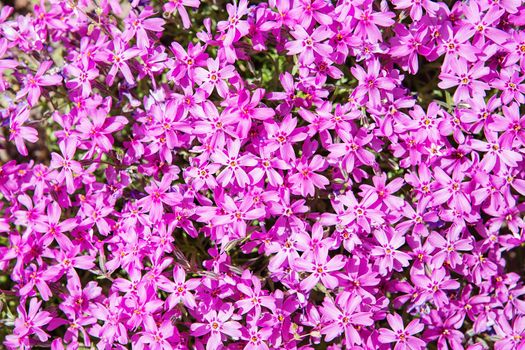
[(282, 174)]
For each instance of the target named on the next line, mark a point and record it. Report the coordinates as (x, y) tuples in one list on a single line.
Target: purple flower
[(33, 83), (403, 337)]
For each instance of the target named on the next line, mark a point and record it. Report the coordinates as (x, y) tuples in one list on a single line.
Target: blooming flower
[(33, 83), (218, 325), (214, 77), (403, 337)]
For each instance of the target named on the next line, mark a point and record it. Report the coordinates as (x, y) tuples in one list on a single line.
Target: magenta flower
[(345, 316), (465, 78), (305, 180), (178, 5), (498, 155), (511, 124), (352, 150), (452, 190), (117, 58), (5, 63), (511, 337), (436, 285), (237, 214), (306, 45), (31, 321), (388, 255), (515, 46), (417, 7), (18, 132), (368, 22), (96, 214), (282, 137), (448, 248), (362, 213), (34, 83), (83, 74), (138, 25), (403, 337), (248, 109), (235, 27), (156, 336), (320, 268), (99, 129), (159, 193), (218, 325), (69, 167), (233, 164), (510, 82), (254, 298), (371, 83), (214, 77)]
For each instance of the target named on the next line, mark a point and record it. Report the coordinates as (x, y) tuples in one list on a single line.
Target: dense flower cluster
[(289, 174)]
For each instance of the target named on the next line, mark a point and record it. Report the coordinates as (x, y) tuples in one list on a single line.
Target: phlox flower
[(69, 167), (305, 180), (19, 133), (30, 321), (218, 325), (178, 5), (321, 268), (138, 25), (388, 255), (403, 337), (306, 45), (34, 83), (214, 77), (344, 316)]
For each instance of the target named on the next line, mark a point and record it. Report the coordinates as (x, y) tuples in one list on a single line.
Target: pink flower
[(306, 45), (352, 150), (31, 321), (214, 77), (159, 194), (98, 130), (18, 132), (178, 5), (403, 337), (234, 27), (511, 337), (218, 324), (388, 255), (510, 82), (237, 214), (305, 180), (117, 59), (344, 317), (180, 289), (465, 78), (416, 7), (361, 213), (69, 166), (371, 83), (253, 298), (234, 164), (320, 268), (33, 83), (138, 24), (282, 137), (247, 109), (448, 248), (82, 74), (511, 124), (436, 285), (368, 22)]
